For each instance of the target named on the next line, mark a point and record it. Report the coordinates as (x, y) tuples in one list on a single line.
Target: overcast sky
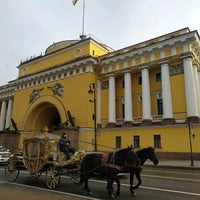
[(28, 27)]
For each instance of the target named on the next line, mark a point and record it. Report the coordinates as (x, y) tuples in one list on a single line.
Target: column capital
[(144, 67), (188, 56), (126, 71), (163, 62), (110, 75)]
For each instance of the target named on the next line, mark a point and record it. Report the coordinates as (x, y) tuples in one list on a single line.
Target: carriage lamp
[(92, 91)]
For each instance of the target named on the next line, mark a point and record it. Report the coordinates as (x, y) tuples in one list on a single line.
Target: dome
[(60, 45)]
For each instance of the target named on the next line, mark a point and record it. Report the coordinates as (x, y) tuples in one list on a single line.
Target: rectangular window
[(160, 106), (157, 141), (123, 84), (118, 142), (136, 141), (139, 80), (123, 110), (158, 77)]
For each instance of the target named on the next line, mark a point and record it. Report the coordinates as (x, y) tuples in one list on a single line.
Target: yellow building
[(145, 94)]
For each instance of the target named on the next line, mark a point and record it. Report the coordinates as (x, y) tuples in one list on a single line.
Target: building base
[(168, 121), (127, 124), (193, 119), (146, 122), (111, 125)]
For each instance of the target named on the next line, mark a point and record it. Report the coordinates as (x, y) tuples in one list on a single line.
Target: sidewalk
[(175, 164)]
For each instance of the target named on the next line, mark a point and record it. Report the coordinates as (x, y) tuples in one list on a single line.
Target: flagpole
[(83, 22)]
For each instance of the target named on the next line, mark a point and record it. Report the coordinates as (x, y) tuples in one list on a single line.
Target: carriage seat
[(62, 157)]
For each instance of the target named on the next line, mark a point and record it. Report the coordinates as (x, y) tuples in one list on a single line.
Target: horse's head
[(147, 153), (152, 155)]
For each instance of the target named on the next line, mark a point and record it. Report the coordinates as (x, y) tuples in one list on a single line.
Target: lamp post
[(92, 91), (191, 133)]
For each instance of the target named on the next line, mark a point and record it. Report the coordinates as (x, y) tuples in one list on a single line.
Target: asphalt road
[(158, 184)]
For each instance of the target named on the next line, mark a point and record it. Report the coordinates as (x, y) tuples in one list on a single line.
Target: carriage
[(41, 155)]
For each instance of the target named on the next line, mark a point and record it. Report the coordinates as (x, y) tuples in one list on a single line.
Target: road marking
[(174, 172), (172, 191), (54, 191), (2, 182), (171, 178), (151, 188), (123, 184)]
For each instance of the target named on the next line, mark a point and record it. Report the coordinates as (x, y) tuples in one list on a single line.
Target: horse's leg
[(137, 174), (113, 178), (86, 186), (131, 182), (109, 187), (118, 186)]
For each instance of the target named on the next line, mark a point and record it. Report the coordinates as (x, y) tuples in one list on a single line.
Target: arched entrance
[(44, 114)]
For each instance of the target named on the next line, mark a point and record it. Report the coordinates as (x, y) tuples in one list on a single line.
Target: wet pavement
[(195, 164)]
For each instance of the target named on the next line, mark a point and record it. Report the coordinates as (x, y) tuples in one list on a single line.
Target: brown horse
[(143, 155), (108, 165)]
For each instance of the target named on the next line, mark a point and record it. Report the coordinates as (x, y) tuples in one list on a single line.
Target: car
[(4, 154)]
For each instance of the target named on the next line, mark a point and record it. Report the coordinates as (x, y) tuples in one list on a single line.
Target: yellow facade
[(52, 84)]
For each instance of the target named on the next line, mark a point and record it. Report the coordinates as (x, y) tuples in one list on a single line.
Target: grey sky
[(28, 27)]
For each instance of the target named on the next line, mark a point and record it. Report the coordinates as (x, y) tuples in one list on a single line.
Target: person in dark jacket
[(64, 145)]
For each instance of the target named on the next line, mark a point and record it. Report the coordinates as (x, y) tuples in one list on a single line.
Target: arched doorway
[(44, 114)]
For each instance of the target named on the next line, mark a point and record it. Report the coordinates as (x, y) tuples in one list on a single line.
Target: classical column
[(98, 102), (190, 93), (9, 113), (3, 115), (111, 103), (146, 102), (128, 120), (196, 79), (166, 94)]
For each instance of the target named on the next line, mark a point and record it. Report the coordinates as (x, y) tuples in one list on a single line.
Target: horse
[(107, 165), (143, 154)]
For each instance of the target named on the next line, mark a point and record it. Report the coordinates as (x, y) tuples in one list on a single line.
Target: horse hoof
[(133, 194), (112, 196), (90, 193)]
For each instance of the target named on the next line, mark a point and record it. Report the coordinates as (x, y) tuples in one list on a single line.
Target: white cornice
[(124, 54), (69, 66)]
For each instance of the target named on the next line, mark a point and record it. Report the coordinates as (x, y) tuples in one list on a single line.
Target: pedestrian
[(64, 145)]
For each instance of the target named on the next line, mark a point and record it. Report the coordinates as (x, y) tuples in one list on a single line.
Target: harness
[(111, 164)]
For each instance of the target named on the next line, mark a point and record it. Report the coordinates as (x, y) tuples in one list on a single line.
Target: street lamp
[(92, 91), (191, 133)]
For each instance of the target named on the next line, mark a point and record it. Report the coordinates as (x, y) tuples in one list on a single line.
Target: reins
[(87, 172)]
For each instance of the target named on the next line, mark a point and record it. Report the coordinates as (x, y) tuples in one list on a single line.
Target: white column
[(9, 113), (166, 91), (98, 101), (111, 101), (190, 93), (197, 87), (146, 102), (128, 97), (3, 115)]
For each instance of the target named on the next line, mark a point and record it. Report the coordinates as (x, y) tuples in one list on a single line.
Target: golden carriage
[(41, 154)]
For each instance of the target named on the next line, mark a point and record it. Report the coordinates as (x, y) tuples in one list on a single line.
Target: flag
[(74, 2)]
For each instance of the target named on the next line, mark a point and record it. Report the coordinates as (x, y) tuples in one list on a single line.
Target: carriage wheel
[(11, 170), (52, 178), (75, 177)]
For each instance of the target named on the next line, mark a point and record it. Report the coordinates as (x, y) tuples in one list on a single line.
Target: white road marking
[(123, 184), (54, 191), (158, 189), (171, 172), (172, 178)]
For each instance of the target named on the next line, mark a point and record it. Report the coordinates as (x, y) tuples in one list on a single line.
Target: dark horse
[(143, 155), (107, 165)]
